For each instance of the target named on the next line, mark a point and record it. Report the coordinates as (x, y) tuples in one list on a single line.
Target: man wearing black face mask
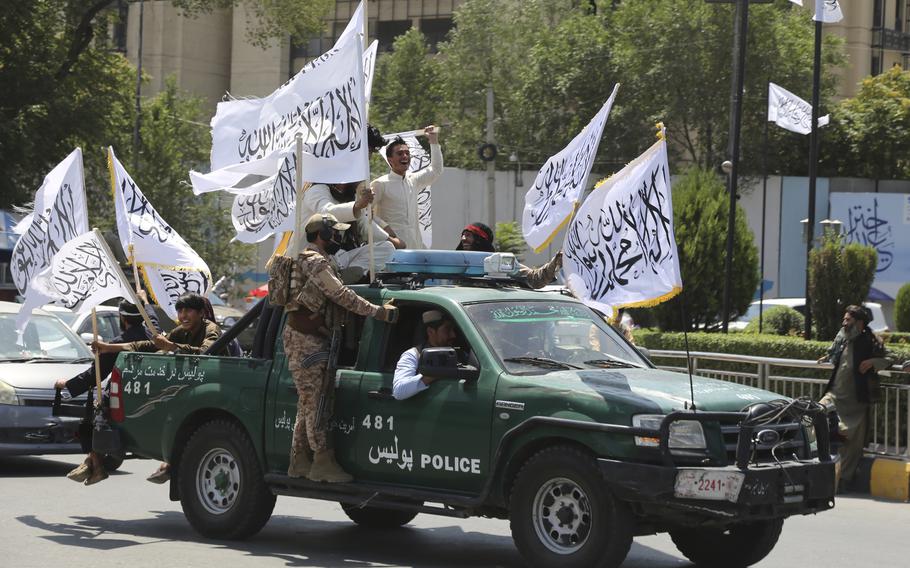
[(318, 304)]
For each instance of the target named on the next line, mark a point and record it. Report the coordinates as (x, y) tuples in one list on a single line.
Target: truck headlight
[(684, 434), (8, 395)]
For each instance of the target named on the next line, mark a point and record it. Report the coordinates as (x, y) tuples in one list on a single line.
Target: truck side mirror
[(442, 363)]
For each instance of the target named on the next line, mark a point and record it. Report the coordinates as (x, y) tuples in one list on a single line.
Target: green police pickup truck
[(554, 422)]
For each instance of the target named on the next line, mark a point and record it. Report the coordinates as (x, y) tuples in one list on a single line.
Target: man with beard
[(396, 192), (318, 305), (132, 328), (479, 237), (440, 332), (857, 356)]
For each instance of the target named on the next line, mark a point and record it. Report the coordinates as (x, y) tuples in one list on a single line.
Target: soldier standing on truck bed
[(316, 302)]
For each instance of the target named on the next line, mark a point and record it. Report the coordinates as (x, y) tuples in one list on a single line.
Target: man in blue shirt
[(440, 332)]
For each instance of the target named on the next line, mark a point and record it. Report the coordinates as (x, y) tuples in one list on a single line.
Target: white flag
[(59, 215), (80, 276), (324, 102), (825, 10), (420, 160), (268, 207), (620, 249), (369, 65), (791, 112), (168, 264), (556, 190)]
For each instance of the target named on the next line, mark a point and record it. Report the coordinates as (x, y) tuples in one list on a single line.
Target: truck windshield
[(537, 337)]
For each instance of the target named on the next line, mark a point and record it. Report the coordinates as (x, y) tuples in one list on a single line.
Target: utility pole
[(813, 165), (491, 164), (138, 92)]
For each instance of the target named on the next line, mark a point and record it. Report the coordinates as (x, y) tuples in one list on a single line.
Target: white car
[(878, 324), (108, 321), (50, 351)]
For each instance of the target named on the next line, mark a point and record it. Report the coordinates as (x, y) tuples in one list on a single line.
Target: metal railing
[(890, 416)]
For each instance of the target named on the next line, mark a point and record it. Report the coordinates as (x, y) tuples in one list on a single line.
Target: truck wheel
[(222, 491), (377, 517), (111, 463), (563, 515), (736, 547)]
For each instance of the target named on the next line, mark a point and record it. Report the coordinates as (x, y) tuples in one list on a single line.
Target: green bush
[(896, 337), (779, 320), (839, 275), (700, 207), (508, 238), (902, 308)]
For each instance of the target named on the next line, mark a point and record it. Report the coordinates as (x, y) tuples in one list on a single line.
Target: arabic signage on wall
[(880, 220)]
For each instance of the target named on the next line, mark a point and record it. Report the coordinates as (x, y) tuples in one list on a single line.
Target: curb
[(885, 478)]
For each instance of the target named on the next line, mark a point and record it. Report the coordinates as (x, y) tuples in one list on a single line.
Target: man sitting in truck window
[(440, 332)]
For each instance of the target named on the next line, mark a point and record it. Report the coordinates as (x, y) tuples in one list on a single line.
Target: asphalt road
[(47, 521)]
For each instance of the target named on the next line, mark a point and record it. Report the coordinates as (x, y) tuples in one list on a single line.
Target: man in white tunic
[(395, 204)]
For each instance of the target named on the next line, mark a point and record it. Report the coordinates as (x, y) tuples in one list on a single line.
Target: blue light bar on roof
[(442, 262)]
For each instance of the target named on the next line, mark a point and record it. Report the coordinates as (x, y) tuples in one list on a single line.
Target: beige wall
[(256, 72), (196, 51)]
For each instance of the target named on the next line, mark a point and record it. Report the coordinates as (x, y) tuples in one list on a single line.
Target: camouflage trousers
[(307, 359)]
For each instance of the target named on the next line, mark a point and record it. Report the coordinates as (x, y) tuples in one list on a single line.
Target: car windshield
[(215, 300), (537, 337), (67, 317), (45, 338)]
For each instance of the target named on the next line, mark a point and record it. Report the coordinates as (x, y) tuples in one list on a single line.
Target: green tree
[(870, 134), (673, 58), (779, 320), (63, 87), (700, 207), (839, 275), (510, 239), (406, 90), (902, 309)]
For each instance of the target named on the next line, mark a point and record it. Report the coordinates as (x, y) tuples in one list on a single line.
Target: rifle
[(327, 392)]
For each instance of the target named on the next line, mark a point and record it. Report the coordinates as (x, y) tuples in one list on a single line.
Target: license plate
[(708, 485)]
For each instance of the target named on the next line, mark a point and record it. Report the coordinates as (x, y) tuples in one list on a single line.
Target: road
[(47, 520)]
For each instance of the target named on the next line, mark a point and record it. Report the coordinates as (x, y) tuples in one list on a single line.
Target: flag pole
[(366, 112), (97, 359), (134, 297), (813, 163)]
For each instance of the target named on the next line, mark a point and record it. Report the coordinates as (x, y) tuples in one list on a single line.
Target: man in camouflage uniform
[(317, 303)]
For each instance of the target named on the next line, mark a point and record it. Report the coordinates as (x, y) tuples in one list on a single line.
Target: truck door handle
[(384, 393)]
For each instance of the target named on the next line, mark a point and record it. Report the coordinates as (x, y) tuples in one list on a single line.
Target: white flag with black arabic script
[(168, 264), (267, 207), (790, 112), (80, 276), (324, 102), (620, 249), (559, 184), (369, 66), (59, 214), (420, 160), (827, 11)]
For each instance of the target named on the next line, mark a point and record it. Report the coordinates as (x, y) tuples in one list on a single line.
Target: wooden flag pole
[(363, 45), (134, 297), (97, 360)]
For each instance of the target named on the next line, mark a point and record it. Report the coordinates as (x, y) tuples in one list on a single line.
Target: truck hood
[(653, 389), (38, 375)]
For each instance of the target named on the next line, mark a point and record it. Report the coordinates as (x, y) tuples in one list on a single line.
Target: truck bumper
[(768, 491)]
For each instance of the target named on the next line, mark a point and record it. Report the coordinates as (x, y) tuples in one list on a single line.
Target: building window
[(435, 31), (876, 65), (387, 31), (878, 14)]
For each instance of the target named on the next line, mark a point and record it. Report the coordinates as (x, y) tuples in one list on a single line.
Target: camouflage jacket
[(315, 286)]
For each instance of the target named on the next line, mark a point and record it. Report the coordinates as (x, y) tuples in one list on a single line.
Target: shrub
[(508, 238), (700, 206), (902, 308), (839, 276), (779, 320)]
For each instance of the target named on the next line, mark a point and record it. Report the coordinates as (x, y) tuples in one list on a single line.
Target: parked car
[(108, 322), (50, 351), (878, 325), (225, 315)]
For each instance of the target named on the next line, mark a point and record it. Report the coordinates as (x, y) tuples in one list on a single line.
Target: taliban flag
[(59, 215), (790, 112), (80, 276), (267, 207), (556, 190), (169, 266), (620, 249), (827, 11)]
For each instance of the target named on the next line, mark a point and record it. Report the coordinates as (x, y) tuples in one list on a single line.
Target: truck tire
[(562, 514), (737, 547), (377, 517), (111, 463), (222, 491)]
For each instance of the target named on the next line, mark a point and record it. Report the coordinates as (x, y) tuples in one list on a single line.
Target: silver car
[(50, 351)]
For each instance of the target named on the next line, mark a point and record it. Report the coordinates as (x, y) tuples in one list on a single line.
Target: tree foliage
[(406, 90), (510, 239), (779, 320), (902, 309), (839, 275), (700, 207), (870, 134)]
